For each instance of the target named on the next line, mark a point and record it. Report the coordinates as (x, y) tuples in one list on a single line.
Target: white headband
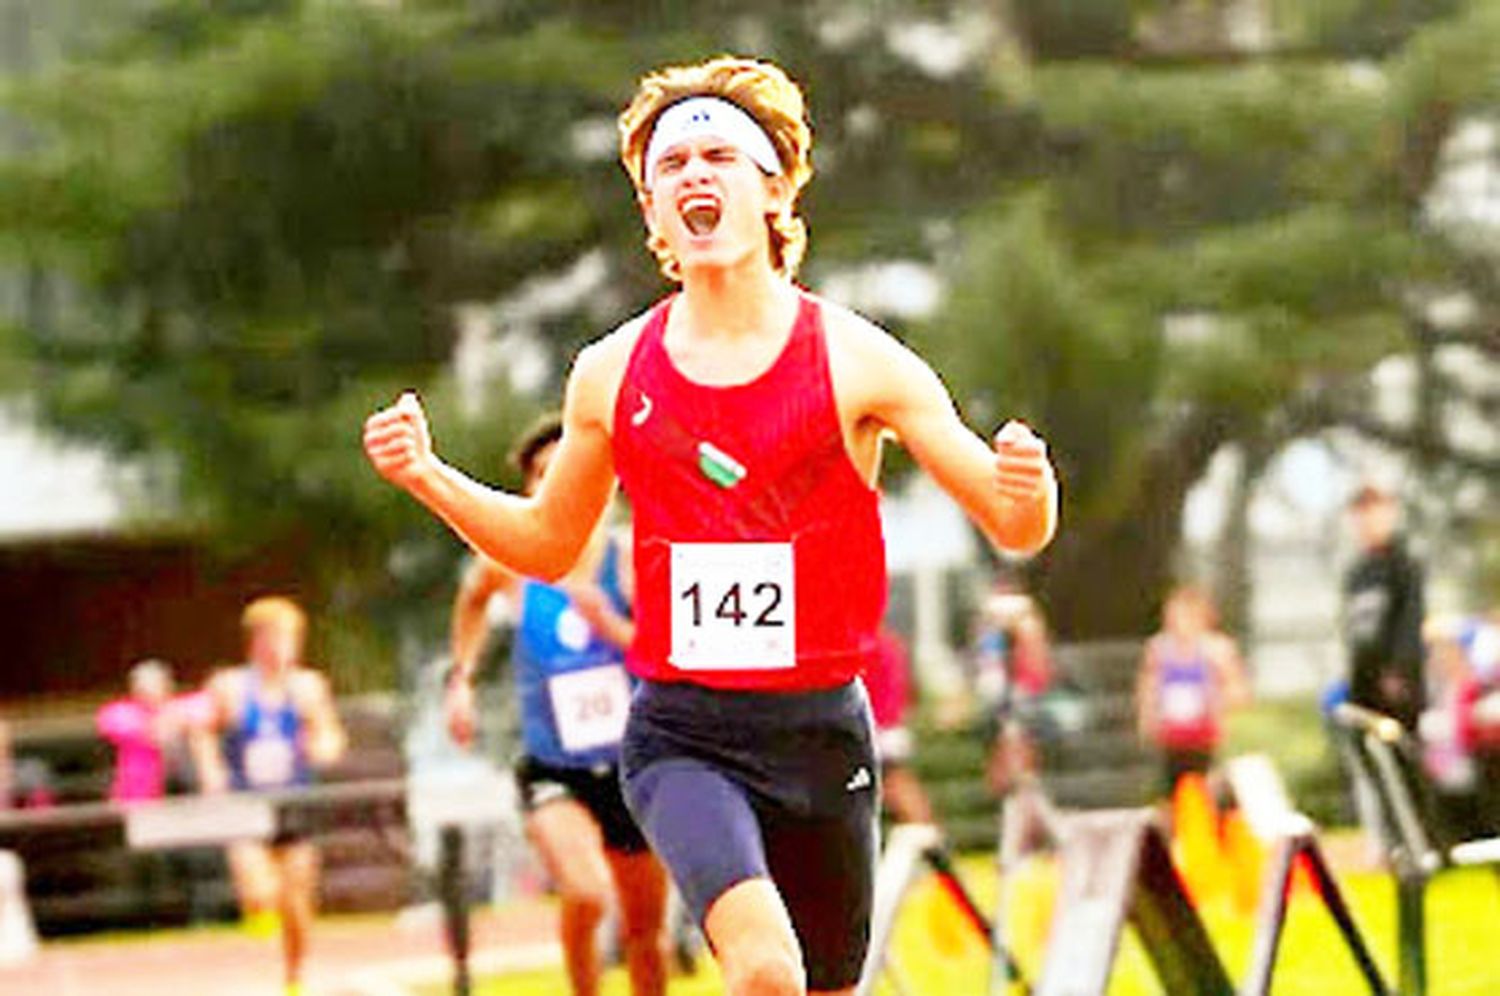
[(699, 116)]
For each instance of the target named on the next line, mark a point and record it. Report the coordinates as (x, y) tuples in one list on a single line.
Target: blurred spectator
[(1446, 760), (1190, 677), (7, 768), (1478, 707), (1383, 610), (889, 685), (148, 730), (26, 782), (1013, 652), (35, 784)]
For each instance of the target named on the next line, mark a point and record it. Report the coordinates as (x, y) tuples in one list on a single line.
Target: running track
[(362, 956)]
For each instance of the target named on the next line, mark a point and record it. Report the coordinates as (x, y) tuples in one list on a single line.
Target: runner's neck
[(736, 303), (271, 678)]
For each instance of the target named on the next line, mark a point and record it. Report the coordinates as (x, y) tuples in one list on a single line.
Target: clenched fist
[(1024, 475), (1022, 470), (398, 443)]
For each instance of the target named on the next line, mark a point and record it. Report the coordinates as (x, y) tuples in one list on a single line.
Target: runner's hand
[(590, 601), (398, 443), (1022, 470), (459, 711)]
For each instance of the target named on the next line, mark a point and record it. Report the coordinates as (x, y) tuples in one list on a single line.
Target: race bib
[(590, 707), (1183, 703), (733, 607), (270, 762)]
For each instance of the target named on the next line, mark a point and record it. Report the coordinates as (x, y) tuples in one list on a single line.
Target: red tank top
[(752, 527)]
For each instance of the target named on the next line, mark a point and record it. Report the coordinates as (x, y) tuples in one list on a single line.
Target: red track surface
[(350, 957)]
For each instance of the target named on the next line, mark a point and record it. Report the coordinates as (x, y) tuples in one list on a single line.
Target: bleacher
[(1100, 764)]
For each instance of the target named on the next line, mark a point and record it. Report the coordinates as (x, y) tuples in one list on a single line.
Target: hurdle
[(1118, 872), (1388, 758), (1026, 812), (911, 849)]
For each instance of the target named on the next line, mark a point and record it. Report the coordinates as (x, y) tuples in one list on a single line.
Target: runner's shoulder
[(876, 360), (846, 327), (226, 688), (600, 366), (309, 686), (608, 354)]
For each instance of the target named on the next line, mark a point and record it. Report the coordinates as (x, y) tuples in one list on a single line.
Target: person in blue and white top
[(567, 660), (267, 726)]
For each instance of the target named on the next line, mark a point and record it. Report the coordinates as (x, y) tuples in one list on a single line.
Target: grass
[(937, 955), (1292, 733)]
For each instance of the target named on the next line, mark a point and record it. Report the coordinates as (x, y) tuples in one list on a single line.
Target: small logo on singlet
[(719, 467), (859, 780), (643, 413)]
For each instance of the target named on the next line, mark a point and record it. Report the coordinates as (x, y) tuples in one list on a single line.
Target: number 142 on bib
[(733, 606)]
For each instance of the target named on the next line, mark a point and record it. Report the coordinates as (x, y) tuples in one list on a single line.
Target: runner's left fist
[(1022, 470)]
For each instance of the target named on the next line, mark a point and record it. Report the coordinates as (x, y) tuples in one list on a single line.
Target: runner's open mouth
[(701, 214)]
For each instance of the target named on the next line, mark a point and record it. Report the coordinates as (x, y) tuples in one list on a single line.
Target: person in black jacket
[(1382, 615), (1383, 610)]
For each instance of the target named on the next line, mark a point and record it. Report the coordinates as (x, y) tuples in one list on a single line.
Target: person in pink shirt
[(146, 728)]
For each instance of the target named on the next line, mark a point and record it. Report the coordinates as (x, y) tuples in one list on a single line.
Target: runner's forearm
[(507, 528), (469, 630)]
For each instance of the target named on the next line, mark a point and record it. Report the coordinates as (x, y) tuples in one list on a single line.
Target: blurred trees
[(245, 224), (1222, 245)]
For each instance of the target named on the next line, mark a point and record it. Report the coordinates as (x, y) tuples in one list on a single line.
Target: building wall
[(75, 613)]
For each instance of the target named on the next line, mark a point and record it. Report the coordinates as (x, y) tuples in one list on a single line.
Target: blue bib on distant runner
[(264, 750), (571, 682)]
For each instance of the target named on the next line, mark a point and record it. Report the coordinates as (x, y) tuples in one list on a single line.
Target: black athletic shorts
[(297, 825), (730, 786), (1179, 761), (597, 789)]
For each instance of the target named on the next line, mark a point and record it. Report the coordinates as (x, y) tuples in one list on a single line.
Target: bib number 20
[(733, 606)]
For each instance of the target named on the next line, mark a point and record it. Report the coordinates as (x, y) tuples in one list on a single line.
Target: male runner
[(574, 696), (744, 417), (269, 723)]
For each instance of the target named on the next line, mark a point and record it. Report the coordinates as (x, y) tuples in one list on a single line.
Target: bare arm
[(470, 621), (539, 536), (203, 739), (595, 607), (589, 599), (1010, 491), (1145, 692), (6, 770), (326, 738), (1231, 672)]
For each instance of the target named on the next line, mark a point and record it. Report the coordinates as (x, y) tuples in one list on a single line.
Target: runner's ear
[(644, 201), (779, 195)]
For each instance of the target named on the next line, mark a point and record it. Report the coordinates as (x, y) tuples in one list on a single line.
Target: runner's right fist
[(398, 443)]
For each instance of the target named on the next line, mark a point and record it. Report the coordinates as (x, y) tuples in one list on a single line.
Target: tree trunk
[(1107, 579), (1232, 582)]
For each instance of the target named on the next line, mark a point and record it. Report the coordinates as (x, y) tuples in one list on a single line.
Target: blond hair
[(761, 90), (273, 610)]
